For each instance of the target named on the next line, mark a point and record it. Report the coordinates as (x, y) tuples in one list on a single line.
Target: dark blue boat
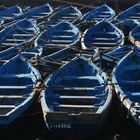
[(134, 36), (18, 84), (52, 62), (19, 33), (117, 54), (132, 13), (69, 13), (31, 54), (63, 34), (126, 79), (39, 12), (127, 25), (98, 13), (11, 13), (108, 60), (103, 35), (77, 98)]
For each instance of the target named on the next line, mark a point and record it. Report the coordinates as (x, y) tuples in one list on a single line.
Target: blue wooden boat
[(19, 33), (126, 80), (103, 35), (31, 54), (69, 13), (134, 36), (127, 25), (98, 14), (63, 34), (39, 12), (108, 60), (18, 84), (52, 62), (11, 13), (117, 54), (77, 98), (132, 13)]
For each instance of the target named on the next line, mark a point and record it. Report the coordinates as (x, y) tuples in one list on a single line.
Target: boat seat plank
[(7, 106), (101, 38), (135, 94), (101, 32), (138, 107), (130, 81), (65, 31), (68, 17), (71, 88), (16, 40), (12, 96), (6, 17), (62, 36), (80, 77), (37, 16), (60, 40), (134, 17), (73, 14), (107, 12), (16, 75), (28, 35), (17, 87), (103, 43), (45, 13), (104, 16), (55, 45), (9, 44), (76, 106), (15, 14), (79, 97)]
